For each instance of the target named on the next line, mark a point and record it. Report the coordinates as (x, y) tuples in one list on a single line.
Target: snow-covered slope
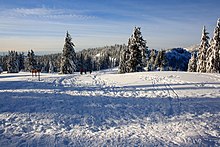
[(109, 109)]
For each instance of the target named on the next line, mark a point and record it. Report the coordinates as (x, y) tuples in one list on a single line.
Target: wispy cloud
[(164, 24), (45, 13)]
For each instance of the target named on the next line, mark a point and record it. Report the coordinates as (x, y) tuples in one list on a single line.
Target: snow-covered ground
[(109, 109)]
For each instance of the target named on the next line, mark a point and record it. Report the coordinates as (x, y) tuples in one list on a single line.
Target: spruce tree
[(192, 66), (137, 48), (68, 60), (51, 67), (21, 61), (88, 63), (124, 56), (158, 60), (213, 63), (151, 61), (202, 55), (13, 62), (31, 62)]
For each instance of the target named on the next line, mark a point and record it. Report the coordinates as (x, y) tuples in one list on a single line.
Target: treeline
[(175, 59), (87, 59)]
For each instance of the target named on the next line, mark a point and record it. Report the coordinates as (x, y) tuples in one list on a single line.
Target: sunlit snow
[(110, 109)]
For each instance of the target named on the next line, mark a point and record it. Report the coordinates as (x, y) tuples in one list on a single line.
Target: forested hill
[(109, 56)]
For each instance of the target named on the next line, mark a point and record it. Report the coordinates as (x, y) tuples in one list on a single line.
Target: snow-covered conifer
[(202, 55), (151, 61), (31, 62), (213, 63), (21, 61), (124, 56), (13, 62), (88, 63), (192, 66), (137, 48), (68, 60), (51, 67)]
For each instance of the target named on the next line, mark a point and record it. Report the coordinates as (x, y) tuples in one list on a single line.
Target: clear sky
[(41, 24)]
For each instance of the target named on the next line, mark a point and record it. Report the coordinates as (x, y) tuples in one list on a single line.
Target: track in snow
[(89, 110)]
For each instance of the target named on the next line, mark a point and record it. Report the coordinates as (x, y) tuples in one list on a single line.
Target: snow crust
[(109, 109)]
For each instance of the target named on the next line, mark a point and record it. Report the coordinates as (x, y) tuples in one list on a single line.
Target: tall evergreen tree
[(21, 61), (192, 66), (104, 61), (124, 56), (202, 57), (31, 62), (13, 62), (68, 61), (151, 61), (88, 63), (160, 61), (51, 67), (213, 63), (137, 48)]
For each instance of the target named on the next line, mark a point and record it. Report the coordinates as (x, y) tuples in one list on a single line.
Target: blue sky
[(41, 24)]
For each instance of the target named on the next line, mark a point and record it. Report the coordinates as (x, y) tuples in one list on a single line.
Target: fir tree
[(137, 49), (81, 61), (213, 63), (21, 61), (202, 57), (51, 67), (104, 61), (68, 61), (13, 62), (88, 63), (192, 66), (31, 62), (158, 60), (164, 61), (151, 61), (124, 56)]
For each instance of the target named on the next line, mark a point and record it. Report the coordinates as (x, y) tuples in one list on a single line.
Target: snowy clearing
[(109, 109)]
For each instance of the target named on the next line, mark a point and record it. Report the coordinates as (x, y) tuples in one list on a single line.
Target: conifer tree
[(88, 63), (192, 66), (137, 48), (124, 56), (13, 62), (213, 63), (51, 67), (158, 60), (151, 61), (68, 60), (202, 55), (31, 62), (21, 61)]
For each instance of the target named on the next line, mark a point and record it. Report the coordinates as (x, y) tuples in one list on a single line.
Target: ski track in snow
[(109, 109)]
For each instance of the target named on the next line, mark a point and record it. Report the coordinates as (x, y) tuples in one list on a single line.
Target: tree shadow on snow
[(98, 112), (102, 110)]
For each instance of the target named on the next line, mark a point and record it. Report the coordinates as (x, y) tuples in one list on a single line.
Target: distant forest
[(104, 58)]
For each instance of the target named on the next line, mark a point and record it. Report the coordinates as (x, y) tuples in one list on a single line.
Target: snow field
[(109, 109)]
